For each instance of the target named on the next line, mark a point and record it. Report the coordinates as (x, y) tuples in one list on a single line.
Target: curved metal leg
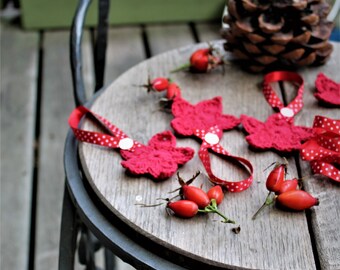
[(110, 260), (68, 233), (88, 244)]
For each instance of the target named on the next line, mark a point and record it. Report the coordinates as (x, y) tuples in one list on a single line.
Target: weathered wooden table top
[(276, 239)]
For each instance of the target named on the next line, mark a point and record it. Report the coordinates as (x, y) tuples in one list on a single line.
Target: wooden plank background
[(19, 73), (44, 79)]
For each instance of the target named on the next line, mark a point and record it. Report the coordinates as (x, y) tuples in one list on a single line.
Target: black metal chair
[(81, 211)]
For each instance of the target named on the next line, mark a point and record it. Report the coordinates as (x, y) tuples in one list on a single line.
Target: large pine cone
[(278, 34)]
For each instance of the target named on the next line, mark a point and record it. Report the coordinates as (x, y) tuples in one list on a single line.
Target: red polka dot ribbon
[(117, 139), (292, 108), (323, 150), (210, 141)]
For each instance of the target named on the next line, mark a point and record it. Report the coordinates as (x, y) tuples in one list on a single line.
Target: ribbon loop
[(210, 141), (297, 103), (232, 186), (116, 138)]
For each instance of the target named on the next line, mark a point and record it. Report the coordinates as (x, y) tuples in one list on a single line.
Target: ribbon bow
[(323, 150)]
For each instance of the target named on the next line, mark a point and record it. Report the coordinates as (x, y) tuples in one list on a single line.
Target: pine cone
[(264, 35)]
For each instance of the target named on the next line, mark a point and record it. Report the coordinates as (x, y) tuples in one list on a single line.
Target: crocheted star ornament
[(327, 90), (276, 133), (160, 158), (208, 113)]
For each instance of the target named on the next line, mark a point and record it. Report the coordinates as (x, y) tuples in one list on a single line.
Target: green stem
[(182, 67), (269, 200), (212, 208)]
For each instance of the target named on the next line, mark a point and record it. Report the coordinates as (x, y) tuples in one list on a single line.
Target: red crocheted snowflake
[(203, 115), (276, 133), (160, 158), (327, 90)]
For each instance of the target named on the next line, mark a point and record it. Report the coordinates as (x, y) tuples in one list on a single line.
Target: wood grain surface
[(275, 240), (325, 217), (19, 72)]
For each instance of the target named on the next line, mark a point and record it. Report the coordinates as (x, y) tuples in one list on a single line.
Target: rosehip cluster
[(195, 200), (160, 84), (287, 194), (201, 61)]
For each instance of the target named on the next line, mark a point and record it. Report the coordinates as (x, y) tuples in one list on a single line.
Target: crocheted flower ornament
[(160, 158), (276, 133), (327, 90), (202, 116)]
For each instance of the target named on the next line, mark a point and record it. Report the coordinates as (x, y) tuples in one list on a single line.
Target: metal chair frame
[(81, 211)]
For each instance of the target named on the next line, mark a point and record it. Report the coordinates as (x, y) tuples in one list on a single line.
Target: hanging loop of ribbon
[(290, 110), (210, 142), (323, 150), (116, 138)]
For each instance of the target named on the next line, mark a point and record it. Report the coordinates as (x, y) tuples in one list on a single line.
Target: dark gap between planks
[(36, 152), (194, 32), (146, 43)]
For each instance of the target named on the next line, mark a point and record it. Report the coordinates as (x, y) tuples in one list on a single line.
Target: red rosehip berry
[(287, 186), (196, 195), (296, 200), (173, 91), (199, 60), (160, 84), (183, 208), (216, 193), (276, 177)]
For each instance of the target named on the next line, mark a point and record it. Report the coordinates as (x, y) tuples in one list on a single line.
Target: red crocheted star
[(327, 90), (160, 158), (202, 116), (276, 133)]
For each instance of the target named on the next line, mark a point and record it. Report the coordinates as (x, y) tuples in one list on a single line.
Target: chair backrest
[(99, 49)]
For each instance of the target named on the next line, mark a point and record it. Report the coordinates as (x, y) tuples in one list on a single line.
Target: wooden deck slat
[(163, 38), (208, 32), (57, 103), (125, 49), (326, 216), (19, 73)]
